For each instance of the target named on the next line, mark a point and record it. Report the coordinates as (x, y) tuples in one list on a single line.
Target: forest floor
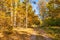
[(32, 31), (17, 31)]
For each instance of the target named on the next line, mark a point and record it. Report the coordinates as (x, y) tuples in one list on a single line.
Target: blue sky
[(35, 6)]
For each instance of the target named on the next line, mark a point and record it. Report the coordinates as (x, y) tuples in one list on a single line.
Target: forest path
[(31, 31)]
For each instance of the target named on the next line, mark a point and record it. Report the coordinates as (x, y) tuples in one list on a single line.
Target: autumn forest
[(20, 21)]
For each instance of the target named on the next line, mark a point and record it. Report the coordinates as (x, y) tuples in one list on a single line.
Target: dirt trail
[(31, 31)]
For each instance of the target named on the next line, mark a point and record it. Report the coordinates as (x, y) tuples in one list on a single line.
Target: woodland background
[(18, 20)]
